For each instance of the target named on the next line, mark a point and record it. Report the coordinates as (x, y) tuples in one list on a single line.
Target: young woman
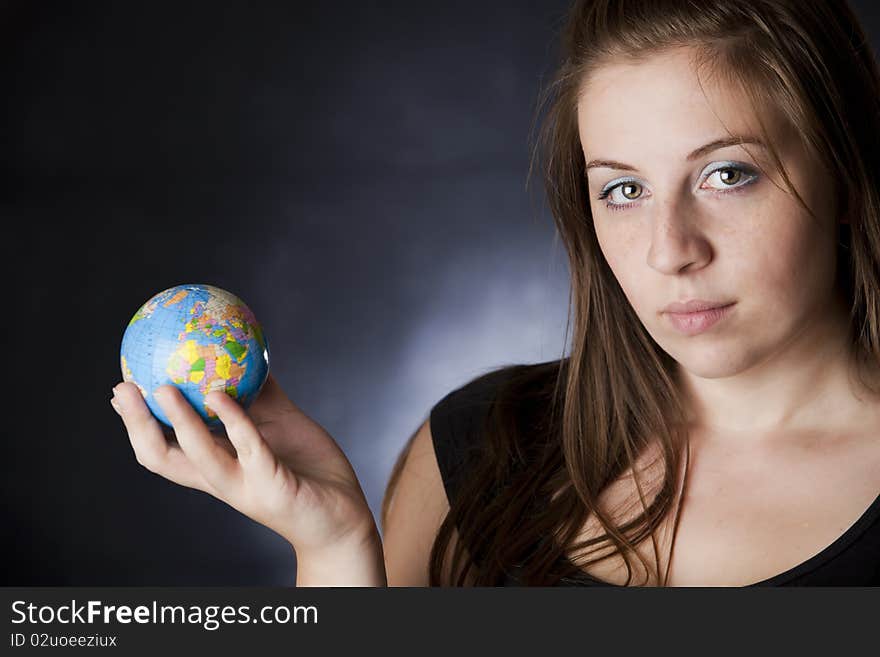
[(713, 171)]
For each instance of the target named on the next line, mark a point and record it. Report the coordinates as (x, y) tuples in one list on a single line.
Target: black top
[(853, 559)]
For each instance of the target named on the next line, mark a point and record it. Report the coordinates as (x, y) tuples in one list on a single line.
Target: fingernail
[(115, 405)]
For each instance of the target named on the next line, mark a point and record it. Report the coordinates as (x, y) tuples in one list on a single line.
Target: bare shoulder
[(414, 508)]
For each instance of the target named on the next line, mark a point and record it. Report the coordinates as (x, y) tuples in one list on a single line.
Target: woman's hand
[(277, 466)]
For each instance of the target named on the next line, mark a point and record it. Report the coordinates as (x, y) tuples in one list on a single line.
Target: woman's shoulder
[(483, 390), (463, 408), (458, 420)]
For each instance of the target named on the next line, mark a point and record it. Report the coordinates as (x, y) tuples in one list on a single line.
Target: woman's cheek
[(783, 262), (632, 274), (620, 246)]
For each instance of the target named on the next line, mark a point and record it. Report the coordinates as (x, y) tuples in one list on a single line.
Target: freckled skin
[(758, 247)]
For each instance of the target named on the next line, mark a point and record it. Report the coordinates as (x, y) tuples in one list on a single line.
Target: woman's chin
[(711, 361)]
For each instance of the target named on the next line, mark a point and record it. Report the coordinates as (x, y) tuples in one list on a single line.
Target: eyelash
[(748, 171)]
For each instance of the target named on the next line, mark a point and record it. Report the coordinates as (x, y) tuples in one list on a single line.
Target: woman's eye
[(621, 194), (728, 177), (630, 191)]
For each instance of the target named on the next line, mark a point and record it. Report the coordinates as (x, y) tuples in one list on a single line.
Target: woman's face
[(683, 218)]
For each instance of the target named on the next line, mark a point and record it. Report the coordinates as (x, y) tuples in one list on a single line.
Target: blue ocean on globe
[(198, 338)]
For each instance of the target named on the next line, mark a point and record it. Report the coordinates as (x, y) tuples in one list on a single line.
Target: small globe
[(198, 338)]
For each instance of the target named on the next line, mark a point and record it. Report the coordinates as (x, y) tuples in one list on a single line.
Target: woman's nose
[(677, 242)]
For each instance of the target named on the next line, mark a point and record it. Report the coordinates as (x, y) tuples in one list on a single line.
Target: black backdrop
[(354, 171)]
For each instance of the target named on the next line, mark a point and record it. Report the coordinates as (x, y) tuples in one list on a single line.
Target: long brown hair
[(559, 433)]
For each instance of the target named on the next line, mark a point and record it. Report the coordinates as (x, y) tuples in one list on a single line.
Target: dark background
[(356, 172)]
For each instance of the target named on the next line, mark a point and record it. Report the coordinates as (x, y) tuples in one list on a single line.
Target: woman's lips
[(696, 322)]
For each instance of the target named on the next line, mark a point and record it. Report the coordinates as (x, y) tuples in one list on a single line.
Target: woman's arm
[(356, 565), (415, 507)]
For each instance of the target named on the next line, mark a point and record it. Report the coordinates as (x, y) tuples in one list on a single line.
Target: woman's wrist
[(360, 563)]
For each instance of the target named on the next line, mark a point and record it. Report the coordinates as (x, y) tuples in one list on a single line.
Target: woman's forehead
[(667, 102)]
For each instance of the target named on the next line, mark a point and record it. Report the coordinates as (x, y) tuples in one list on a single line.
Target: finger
[(176, 467), (215, 464), (253, 453), (218, 434), (148, 440)]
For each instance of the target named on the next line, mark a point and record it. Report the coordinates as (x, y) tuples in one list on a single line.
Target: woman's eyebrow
[(714, 145)]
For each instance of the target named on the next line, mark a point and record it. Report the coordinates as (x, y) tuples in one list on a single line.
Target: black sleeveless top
[(853, 559)]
